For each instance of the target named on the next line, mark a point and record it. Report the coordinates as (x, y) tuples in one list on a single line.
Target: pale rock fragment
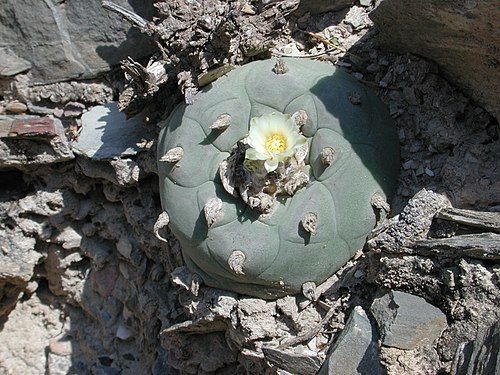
[(123, 333), (173, 155)]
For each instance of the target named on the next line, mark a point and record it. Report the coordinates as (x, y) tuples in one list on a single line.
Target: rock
[(58, 365), (161, 365), (412, 224), (29, 126), (69, 238), (406, 321), (322, 6), (18, 260), (293, 362), (479, 246), (90, 92), (355, 351), (124, 247), (256, 320), (357, 18), (126, 171), (18, 257), (206, 316), (16, 107), (25, 336), (64, 40), (123, 332), (73, 109), (481, 355), (32, 140), (107, 134), (11, 64), (461, 36), (199, 354)]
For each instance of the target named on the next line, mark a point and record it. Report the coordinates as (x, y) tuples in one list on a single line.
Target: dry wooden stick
[(322, 39), (130, 16), (309, 56), (489, 221), (310, 334)]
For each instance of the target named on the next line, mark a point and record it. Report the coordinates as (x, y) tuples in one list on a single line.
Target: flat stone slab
[(406, 321), (62, 40), (480, 356), (356, 349), (467, 54), (32, 140), (107, 134), (293, 362), (11, 64)]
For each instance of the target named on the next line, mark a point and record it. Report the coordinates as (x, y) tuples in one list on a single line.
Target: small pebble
[(16, 107), (123, 333), (401, 134), (372, 68), (410, 164), (383, 61), (359, 274), (358, 75), (73, 109), (405, 192), (248, 9), (429, 172), (58, 112)]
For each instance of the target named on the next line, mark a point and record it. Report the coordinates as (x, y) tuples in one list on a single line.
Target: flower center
[(276, 143)]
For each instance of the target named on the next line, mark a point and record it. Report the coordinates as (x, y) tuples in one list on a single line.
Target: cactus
[(353, 154)]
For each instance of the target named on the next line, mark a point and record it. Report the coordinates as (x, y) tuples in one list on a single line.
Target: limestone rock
[(321, 6), (18, 259), (32, 140), (107, 134), (406, 321), (11, 64), (481, 355), (355, 351), (64, 40), (461, 36), (295, 361)]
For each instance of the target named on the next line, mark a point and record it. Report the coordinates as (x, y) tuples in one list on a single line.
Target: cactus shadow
[(210, 138), (200, 227), (363, 125), (136, 44), (305, 235)]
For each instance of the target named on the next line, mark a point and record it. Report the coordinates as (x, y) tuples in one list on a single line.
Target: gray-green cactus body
[(354, 154)]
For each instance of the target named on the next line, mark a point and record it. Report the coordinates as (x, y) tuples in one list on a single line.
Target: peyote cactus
[(353, 156)]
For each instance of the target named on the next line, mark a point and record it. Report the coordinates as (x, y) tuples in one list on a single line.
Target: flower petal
[(253, 154), (299, 140), (289, 152), (271, 164), (255, 140)]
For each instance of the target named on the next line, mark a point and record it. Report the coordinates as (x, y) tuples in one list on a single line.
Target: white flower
[(273, 138)]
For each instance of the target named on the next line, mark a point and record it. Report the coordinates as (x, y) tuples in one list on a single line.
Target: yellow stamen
[(276, 143)]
